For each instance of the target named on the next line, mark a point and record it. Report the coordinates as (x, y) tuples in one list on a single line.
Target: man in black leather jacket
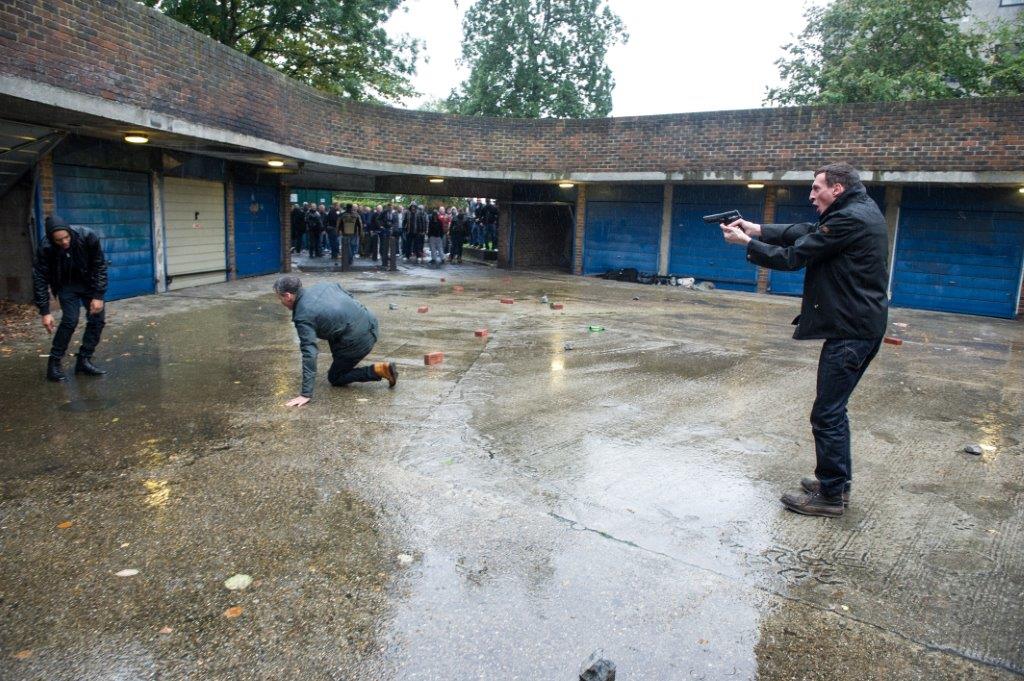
[(845, 302), (71, 264)]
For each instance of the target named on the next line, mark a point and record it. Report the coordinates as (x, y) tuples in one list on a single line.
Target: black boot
[(85, 366), (53, 370)]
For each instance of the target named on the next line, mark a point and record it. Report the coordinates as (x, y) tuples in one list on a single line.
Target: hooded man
[(329, 312), (71, 264)]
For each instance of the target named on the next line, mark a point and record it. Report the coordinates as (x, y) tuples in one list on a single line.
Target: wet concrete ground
[(508, 512)]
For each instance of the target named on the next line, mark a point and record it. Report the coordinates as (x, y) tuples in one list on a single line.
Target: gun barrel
[(723, 218)]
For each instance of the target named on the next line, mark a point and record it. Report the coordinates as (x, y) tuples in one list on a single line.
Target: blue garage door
[(116, 205), (698, 249), (623, 228), (960, 250), (793, 205), (257, 230)]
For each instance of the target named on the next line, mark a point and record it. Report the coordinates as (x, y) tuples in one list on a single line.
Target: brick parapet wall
[(46, 185), (123, 52)]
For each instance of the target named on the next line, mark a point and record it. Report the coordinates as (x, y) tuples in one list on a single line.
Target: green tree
[(538, 58), (339, 46), (888, 50)]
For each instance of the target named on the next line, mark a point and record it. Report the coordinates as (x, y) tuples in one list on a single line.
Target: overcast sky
[(682, 55)]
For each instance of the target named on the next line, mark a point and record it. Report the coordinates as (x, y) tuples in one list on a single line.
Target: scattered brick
[(458, 289), (432, 358), (892, 340), (422, 309), (480, 333), (557, 306), (508, 301)]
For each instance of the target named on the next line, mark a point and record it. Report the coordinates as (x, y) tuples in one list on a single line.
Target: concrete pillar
[(767, 217), (156, 191), (504, 234), (666, 230), (581, 223), (229, 192), (286, 228)]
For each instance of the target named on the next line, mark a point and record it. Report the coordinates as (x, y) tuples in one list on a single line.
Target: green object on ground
[(595, 327)]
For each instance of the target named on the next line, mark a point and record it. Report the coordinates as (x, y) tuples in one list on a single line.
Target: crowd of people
[(422, 235)]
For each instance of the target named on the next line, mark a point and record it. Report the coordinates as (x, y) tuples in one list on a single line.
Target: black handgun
[(725, 218)]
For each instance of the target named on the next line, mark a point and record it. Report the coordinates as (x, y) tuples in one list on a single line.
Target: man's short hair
[(839, 173), (287, 284)]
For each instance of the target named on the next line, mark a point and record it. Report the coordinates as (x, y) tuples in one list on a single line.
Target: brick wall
[(122, 51)]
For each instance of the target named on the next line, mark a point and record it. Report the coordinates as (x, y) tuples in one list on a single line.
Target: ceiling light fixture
[(755, 185), (436, 180), (566, 185), (275, 163), (135, 138)]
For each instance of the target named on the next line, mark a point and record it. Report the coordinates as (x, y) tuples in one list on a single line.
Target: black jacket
[(314, 222), (420, 222), (85, 255), (460, 228), (298, 219), (846, 256), (434, 226)]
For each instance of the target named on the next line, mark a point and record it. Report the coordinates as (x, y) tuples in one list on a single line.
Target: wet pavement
[(507, 512)]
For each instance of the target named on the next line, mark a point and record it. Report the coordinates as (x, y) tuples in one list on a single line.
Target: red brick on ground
[(557, 306), (422, 309), (480, 333), (458, 289), (432, 358), (892, 340), (508, 301)]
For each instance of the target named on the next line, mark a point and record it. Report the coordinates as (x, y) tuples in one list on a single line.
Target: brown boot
[(814, 504), (813, 486), (387, 371)]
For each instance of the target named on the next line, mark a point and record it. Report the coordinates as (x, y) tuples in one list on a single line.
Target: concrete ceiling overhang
[(21, 145)]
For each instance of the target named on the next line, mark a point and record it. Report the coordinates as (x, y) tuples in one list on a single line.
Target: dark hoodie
[(83, 265)]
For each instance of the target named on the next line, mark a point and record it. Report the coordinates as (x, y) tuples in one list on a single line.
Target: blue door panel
[(257, 230), (621, 234), (960, 250), (116, 205), (698, 249)]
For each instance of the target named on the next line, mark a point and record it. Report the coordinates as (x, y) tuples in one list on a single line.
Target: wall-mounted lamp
[(135, 138), (1021, 190), (275, 163), (566, 185), (755, 185), (436, 180)]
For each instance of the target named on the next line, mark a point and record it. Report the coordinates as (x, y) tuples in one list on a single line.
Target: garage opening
[(542, 236)]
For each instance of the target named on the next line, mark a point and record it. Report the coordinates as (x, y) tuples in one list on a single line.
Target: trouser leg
[(840, 367), (94, 324), (344, 370), (70, 305)]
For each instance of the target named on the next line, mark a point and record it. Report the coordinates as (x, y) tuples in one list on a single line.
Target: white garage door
[(194, 225)]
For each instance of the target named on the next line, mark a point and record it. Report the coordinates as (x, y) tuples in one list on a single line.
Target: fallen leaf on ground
[(166, 630), (232, 613), (22, 654), (64, 525), (130, 572)]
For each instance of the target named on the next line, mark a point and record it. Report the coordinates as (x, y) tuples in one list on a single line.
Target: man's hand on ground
[(48, 323), (297, 401), (95, 306)]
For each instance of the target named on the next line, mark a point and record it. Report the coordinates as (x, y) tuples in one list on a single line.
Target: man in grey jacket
[(327, 311)]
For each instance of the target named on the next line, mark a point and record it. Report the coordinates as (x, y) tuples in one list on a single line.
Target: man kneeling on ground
[(329, 312)]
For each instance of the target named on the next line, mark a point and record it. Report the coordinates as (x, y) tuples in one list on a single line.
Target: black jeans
[(72, 300), (840, 367), (457, 249), (332, 242), (343, 369), (314, 242)]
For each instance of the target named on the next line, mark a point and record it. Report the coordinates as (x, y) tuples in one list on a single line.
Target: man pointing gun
[(845, 302)]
